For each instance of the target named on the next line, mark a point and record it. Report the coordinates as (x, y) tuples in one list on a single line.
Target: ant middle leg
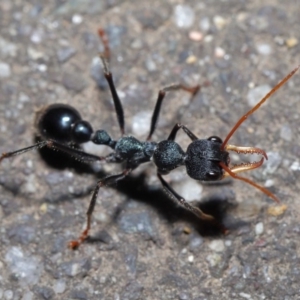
[(195, 210), (109, 180), (161, 95)]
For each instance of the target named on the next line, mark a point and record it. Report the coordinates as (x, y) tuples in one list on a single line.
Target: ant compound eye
[(213, 175), (215, 139)]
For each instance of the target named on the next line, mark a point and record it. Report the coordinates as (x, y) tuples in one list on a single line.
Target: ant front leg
[(109, 180), (161, 95), (77, 154), (175, 129)]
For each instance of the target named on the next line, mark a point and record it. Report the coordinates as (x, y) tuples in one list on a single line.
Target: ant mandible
[(61, 126)]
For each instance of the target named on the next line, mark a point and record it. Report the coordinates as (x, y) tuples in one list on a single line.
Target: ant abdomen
[(63, 123)]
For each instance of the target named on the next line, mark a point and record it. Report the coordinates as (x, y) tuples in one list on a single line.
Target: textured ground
[(145, 246)]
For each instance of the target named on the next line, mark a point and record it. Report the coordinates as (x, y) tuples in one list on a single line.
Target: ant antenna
[(257, 106)]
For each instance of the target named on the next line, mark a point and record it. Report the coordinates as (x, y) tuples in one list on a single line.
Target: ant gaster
[(61, 126)]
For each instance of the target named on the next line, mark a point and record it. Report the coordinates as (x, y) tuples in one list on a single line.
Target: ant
[(61, 127)]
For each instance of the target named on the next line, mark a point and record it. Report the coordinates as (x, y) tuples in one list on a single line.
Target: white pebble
[(205, 24), (219, 22), (196, 36), (264, 49), (219, 52), (295, 166), (59, 286), (184, 16), (286, 133), (256, 94), (77, 19), (8, 294), (217, 245), (4, 70), (244, 295), (190, 190), (269, 183), (214, 259), (140, 123), (259, 228), (28, 296), (191, 259)]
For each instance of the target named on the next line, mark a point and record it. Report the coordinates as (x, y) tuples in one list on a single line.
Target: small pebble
[(217, 245), (279, 40), (8, 294), (286, 133), (191, 259), (295, 166), (196, 36), (274, 161), (150, 65), (228, 243), (191, 59), (43, 208), (4, 70), (214, 259), (269, 183), (256, 94), (140, 123), (34, 54), (27, 296), (219, 22), (264, 49), (183, 16), (204, 24), (208, 38), (259, 228), (277, 210), (291, 42), (64, 54), (77, 19), (244, 295), (190, 190), (219, 52)]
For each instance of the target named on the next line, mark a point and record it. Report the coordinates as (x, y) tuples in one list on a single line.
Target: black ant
[(61, 126)]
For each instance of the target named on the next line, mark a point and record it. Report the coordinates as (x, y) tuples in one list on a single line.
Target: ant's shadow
[(216, 205), (137, 188)]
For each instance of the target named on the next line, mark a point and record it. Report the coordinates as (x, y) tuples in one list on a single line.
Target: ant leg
[(105, 57), (116, 99), (103, 36), (173, 195), (77, 154), (23, 150), (232, 172), (160, 98), (109, 180), (175, 129)]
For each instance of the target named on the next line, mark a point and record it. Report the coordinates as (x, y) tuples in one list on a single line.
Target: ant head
[(203, 159)]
